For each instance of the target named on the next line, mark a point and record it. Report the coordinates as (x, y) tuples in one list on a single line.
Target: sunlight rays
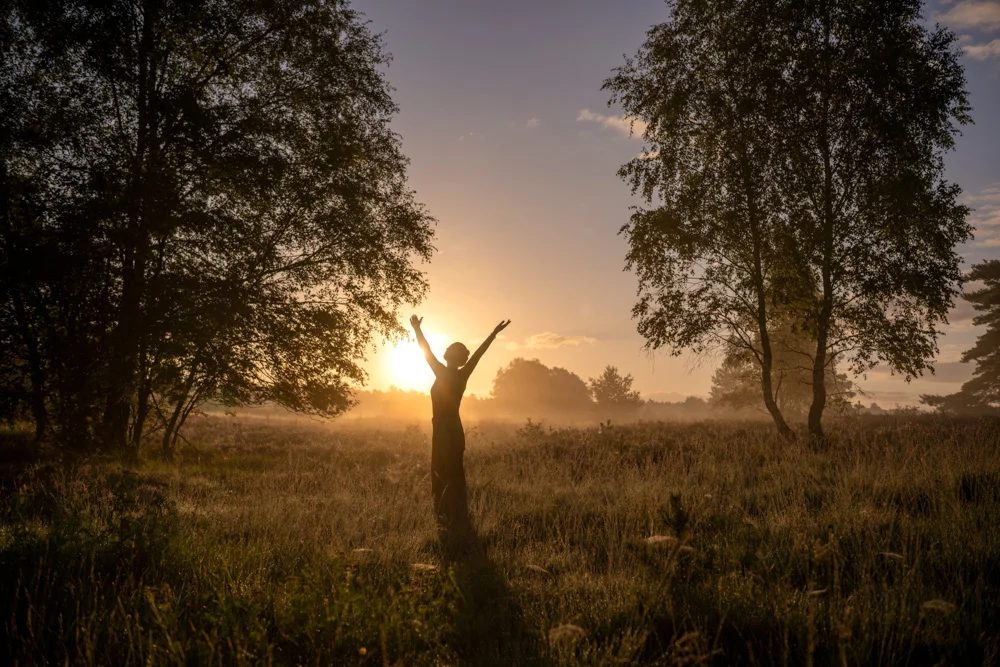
[(404, 364)]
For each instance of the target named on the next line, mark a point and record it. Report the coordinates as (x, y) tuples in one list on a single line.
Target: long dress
[(448, 442), (448, 449)]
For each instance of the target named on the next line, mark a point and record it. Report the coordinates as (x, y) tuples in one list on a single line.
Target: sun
[(407, 368), (403, 365)]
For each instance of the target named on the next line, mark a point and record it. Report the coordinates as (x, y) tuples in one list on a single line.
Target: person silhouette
[(448, 442)]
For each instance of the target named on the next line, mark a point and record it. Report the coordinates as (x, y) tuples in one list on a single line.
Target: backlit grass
[(716, 543)]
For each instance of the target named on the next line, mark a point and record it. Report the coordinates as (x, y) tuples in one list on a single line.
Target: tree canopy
[(981, 394), (529, 388), (795, 168), (736, 382), (199, 201), (707, 255), (613, 392)]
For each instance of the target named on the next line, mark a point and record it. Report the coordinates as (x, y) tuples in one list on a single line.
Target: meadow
[(279, 542)]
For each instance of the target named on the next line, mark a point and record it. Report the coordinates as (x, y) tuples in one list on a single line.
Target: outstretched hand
[(500, 327), (415, 322)]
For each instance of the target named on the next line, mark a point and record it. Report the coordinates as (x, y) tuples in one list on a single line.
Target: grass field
[(290, 543)]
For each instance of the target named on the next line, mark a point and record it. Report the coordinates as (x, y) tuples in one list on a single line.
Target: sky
[(514, 150)]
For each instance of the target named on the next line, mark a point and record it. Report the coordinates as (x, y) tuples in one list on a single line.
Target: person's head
[(456, 355)]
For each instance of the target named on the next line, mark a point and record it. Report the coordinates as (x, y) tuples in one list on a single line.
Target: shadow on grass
[(490, 622)]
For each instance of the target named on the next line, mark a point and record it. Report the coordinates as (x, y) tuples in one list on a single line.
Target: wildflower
[(424, 567), (942, 606), (892, 555), (566, 634)]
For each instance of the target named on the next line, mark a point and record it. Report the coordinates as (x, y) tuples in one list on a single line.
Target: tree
[(981, 394), (54, 292), (872, 100), (221, 183), (709, 257), (801, 170), (735, 382), (613, 391), (531, 387)]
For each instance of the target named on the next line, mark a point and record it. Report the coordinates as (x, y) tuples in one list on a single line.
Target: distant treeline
[(415, 406), (528, 389)]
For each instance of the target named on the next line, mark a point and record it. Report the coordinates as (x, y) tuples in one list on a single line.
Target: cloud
[(950, 371), (950, 353), (512, 346), (624, 124), (989, 196), (960, 317), (973, 14), (953, 372), (551, 341), (983, 51), (533, 122), (985, 218), (889, 399), (962, 312)]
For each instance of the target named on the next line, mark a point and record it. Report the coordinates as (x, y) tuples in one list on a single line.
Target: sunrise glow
[(405, 366)]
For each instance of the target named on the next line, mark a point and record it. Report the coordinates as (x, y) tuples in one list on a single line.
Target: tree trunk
[(28, 334), (767, 387), (767, 355), (39, 409), (124, 361), (36, 376), (819, 384), (826, 310), (186, 403), (122, 403), (185, 406), (173, 425), (141, 413)]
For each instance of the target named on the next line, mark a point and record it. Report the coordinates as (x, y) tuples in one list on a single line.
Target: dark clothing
[(451, 505), (448, 388), (448, 443)]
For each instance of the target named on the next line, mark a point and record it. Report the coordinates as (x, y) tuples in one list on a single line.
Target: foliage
[(199, 201), (873, 100), (528, 386), (796, 153), (981, 394), (736, 382), (613, 391), (296, 544), (709, 255)]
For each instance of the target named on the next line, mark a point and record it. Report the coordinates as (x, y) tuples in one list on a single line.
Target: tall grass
[(711, 543)]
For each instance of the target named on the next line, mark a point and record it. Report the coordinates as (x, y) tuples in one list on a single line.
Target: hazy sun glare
[(406, 367)]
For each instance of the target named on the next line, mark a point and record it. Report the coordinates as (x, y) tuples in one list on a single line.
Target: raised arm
[(470, 365), (432, 361)]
